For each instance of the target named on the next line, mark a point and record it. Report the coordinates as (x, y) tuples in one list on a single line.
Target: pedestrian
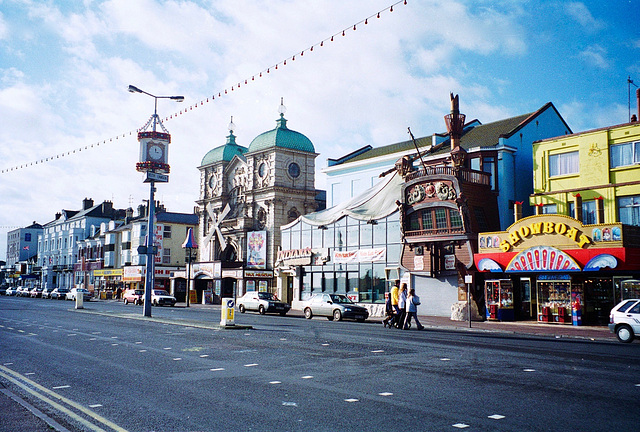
[(412, 310), (388, 310), (402, 304), (394, 302)]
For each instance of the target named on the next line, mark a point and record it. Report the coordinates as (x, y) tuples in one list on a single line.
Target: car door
[(252, 302), (632, 317)]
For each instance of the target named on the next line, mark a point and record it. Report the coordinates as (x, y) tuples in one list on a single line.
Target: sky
[(65, 67)]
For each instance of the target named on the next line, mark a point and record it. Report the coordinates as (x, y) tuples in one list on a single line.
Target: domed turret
[(282, 137), (226, 152)]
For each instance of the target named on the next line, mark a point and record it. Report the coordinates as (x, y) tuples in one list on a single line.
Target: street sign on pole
[(156, 177)]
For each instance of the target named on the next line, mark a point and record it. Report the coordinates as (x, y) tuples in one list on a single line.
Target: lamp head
[(177, 98), (134, 89)]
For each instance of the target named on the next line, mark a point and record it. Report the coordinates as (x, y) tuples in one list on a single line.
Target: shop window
[(588, 211), (564, 163), (629, 210), (341, 283), (624, 154)]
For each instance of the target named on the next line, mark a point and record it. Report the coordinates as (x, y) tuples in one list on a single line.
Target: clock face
[(155, 152), (262, 169), (213, 182)]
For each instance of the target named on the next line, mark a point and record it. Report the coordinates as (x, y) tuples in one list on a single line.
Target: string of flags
[(220, 94)]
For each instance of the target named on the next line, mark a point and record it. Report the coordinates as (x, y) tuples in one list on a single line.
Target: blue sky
[(65, 67)]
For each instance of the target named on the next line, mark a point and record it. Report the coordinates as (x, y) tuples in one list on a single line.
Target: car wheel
[(283, 313), (337, 315), (624, 333), (126, 301), (261, 310), (241, 308), (308, 314), (155, 303)]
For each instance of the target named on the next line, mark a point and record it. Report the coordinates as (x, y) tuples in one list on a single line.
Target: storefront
[(109, 282), (554, 269), (133, 277)]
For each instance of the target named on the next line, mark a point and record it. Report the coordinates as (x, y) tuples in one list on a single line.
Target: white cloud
[(595, 55), (581, 14)]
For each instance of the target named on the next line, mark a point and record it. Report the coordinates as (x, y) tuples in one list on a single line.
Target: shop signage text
[(544, 228), (258, 273), (360, 255), (295, 256)]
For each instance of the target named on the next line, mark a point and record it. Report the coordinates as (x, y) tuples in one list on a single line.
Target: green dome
[(282, 137), (224, 152)]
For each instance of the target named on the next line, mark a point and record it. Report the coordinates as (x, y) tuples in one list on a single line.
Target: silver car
[(334, 307)]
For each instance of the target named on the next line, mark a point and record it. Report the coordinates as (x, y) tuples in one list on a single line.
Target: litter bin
[(227, 312), (79, 300)]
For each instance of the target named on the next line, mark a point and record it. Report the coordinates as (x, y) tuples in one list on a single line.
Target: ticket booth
[(499, 299)]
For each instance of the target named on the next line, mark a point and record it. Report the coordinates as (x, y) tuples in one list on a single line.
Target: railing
[(434, 232), (464, 174)]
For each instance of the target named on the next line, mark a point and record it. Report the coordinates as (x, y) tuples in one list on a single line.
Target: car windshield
[(267, 296), (339, 298), (139, 292), (160, 292)]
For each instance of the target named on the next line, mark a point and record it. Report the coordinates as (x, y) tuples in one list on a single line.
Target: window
[(27, 237), (167, 232), (629, 210), (489, 166), (588, 211), (564, 163), (624, 154), (550, 209), (435, 220), (166, 256)]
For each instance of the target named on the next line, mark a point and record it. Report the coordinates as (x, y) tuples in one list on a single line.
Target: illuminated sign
[(544, 228)]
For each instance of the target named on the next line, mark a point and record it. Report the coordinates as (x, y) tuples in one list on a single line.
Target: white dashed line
[(275, 382), (204, 355), (460, 425), (29, 373), (138, 343), (325, 344), (167, 348), (142, 351), (496, 417), (352, 400), (61, 387), (307, 377), (177, 359), (7, 364), (216, 369), (283, 339), (251, 365), (114, 344), (95, 406), (528, 370), (292, 404), (377, 351), (445, 359), (72, 334), (385, 394)]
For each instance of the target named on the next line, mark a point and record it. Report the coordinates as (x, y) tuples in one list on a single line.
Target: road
[(108, 368)]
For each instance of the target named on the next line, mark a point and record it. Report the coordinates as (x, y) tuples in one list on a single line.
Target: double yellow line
[(48, 396)]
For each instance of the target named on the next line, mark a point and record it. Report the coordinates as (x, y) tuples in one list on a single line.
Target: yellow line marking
[(20, 381)]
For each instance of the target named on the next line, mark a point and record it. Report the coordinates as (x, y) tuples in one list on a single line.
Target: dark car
[(263, 302), (59, 293), (334, 307)]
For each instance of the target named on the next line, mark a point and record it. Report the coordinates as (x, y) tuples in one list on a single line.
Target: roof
[(375, 203), (282, 137), (179, 218), (224, 153)]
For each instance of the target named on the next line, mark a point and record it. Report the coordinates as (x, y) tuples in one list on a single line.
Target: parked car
[(135, 296), (59, 293), (334, 307), (262, 302), (46, 293), (74, 292), (11, 291), (36, 292), (161, 298), (23, 292), (624, 320)]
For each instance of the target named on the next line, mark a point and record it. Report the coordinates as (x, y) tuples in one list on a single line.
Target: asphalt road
[(108, 368)]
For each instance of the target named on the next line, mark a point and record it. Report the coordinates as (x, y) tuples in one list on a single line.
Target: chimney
[(87, 203), (599, 210), (517, 211), (107, 207), (577, 207), (58, 215)]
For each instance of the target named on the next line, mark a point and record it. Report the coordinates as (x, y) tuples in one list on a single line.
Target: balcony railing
[(464, 174)]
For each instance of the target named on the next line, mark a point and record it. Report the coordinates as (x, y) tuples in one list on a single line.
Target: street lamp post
[(153, 161), (189, 244)]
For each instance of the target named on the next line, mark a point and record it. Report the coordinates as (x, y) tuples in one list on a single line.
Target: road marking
[(142, 351), (95, 406), (385, 394), (283, 339), (61, 387), (29, 373), (216, 369), (377, 351), (204, 355), (460, 425), (7, 364), (445, 359), (292, 404), (307, 377), (167, 348), (20, 331), (325, 344), (177, 359), (251, 365), (138, 343), (72, 334), (528, 370), (37, 390), (352, 400), (275, 382), (496, 417), (93, 339)]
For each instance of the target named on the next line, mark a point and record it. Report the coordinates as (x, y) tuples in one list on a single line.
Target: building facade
[(580, 255), (246, 194)]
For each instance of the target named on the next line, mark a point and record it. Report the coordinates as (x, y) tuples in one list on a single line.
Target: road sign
[(156, 177)]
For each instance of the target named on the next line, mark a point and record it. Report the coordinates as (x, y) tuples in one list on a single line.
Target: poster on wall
[(257, 250), (262, 286), (158, 237), (218, 287), (251, 285)]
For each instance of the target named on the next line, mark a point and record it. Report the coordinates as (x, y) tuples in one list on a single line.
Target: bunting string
[(220, 94)]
